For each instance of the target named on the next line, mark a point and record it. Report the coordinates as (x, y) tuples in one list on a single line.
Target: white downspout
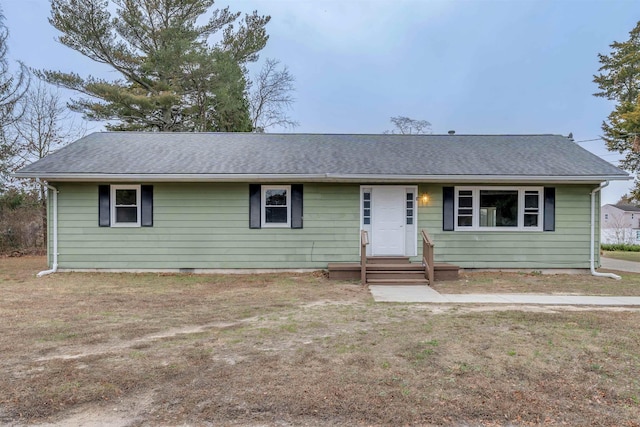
[(54, 208), (593, 235)]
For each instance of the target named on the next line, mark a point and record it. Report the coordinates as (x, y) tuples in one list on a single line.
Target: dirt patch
[(138, 350)]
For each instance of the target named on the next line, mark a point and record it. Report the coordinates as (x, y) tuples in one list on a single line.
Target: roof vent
[(452, 132)]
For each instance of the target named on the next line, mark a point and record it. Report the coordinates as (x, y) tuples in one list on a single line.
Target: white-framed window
[(410, 208), (125, 205), (499, 208), (366, 206), (276, 206)]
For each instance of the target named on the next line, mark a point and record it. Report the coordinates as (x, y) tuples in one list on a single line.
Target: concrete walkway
[(425, 294), (429, 295), (620, 265)]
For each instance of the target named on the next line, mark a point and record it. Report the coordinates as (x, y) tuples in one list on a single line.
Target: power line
[(601, 138), (610, 154), (588, 140)]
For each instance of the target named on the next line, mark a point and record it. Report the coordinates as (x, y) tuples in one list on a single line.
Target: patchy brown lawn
[(508, 282), (293, 349), (623, 255)]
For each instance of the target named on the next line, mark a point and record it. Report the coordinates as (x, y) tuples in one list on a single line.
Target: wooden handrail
[(427, 256), (364, 241)]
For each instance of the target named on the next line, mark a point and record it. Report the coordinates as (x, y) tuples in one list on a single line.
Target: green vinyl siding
[(206, 225), (566, 247)]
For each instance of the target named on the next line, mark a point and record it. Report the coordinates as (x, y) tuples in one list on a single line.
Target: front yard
[(623, 255), (293, 349)]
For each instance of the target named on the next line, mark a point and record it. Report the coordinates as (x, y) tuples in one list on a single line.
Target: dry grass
[(508, 282), (299, 350), (623, 255)]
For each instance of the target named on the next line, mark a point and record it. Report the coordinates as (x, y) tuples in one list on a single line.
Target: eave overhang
[(327, 177)]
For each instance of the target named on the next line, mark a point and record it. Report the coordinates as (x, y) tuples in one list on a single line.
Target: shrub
[(620, 247), (20, 222)]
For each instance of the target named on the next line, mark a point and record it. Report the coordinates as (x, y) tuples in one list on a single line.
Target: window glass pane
[(465, 208), (498, 208), (275, 215), (409, 208), (531, 200), (366, 207), (126, 197), (276, 197), (465, 202), (127, 214), (531, 220), (465, 221)]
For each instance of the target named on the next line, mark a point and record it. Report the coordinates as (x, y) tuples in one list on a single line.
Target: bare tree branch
[(12, 89), (45, 126), (272, 97), (408, 126)]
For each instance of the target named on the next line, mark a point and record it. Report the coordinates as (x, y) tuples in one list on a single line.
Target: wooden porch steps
[(388, 260), (394, 281), (395, 270)]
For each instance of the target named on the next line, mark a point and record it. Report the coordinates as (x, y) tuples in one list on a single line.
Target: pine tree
[(172, 77), (619, 81)]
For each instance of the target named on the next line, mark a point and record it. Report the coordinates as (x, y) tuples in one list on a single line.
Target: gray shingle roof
[(626, 207), (119, 154)]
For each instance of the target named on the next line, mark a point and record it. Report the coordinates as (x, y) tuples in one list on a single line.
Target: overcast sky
[(475, 66)]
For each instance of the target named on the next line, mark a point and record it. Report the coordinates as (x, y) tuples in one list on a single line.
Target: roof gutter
[(593, 235), (325, 177), (54, 192)]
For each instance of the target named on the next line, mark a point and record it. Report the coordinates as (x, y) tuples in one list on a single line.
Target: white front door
[(387, 221)]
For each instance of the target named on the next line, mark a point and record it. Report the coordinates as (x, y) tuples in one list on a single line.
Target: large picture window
[(498, 208)]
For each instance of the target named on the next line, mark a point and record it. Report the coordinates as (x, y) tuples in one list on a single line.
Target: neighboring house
[(169, 201), (620, 224)]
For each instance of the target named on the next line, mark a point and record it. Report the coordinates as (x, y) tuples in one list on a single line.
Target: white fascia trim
[(86, 177), (328, 177), (476, 178)]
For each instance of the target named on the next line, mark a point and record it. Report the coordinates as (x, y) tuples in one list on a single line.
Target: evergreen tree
[(172, 77), (619, 81)]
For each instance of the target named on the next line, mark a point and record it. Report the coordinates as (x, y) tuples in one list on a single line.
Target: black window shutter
[(448, 214), (296, 206), (549, 209), (146, 207), (254, 205), (104, 210)]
